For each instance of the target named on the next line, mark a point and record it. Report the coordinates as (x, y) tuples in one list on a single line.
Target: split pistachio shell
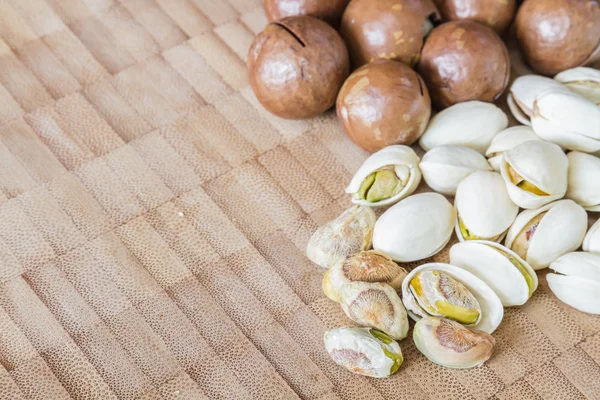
[(509, 276), (364, 351), (415, 228), (577, 282), (567, 119), (584, 180), (366, 266), (535, 173), (582, 80), (349, 233), (489, 303), (452, 345), (506, 140), (445, 166), (541, 236), (386, 177), (523, 92), (591, 242), (472, 124), (376, 305), (484, 209)]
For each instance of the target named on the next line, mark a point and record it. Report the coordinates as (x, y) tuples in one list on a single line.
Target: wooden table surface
[(154, 218)]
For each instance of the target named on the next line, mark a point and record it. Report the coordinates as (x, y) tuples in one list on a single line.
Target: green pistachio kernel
[(381, 336), (380, 185), (396, 358), (520, 267)]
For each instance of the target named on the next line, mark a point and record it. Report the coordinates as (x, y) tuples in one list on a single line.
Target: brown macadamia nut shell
[(555, 35), (384, 103), (328, 10), (496, 14), (297, 66), (386, 29), (462, 61)]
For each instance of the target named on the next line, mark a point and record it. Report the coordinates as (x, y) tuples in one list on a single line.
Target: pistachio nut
[(509, 276), (577, 281), (386, 177), (535, 173), (415, 228), (484, 209), (366, 266), (567, 119), (444, 167), (349, 233), (523, 92), (452, 345), (445, 290), (471, 124), (506, 140), (364, 351), (376, 305), (584, 81), (541, 236), (591, 241), (584, 180)]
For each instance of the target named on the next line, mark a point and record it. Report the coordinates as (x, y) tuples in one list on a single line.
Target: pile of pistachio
[(458, 305)]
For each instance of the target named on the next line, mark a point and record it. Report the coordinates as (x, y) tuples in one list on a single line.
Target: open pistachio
[(376, 305), (523, 92), (577, 281), (535, 173), (582, 80), (450, 344), (364, 351), (591, 242), (584, 180), (472, 124), (567, 119), (541, 236), (445, 290), (349, 233), (444, 167), (506, 140), (485, 211), (366, 266), (386, 177)]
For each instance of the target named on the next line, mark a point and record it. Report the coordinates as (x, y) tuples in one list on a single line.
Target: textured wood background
[(153, 222)]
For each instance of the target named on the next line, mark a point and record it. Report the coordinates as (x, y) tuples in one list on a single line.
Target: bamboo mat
[(153, 222)]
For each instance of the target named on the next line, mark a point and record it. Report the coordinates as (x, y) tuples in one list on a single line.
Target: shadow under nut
[(297, 66), (384, 103), (556, 35), (462, 61), (328, 10)]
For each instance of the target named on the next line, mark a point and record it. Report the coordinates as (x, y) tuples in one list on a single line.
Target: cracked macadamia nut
[(497, 14), (462, 61), (328, 10), (384, 103), (296, 67), (387, 29), (555, 35)]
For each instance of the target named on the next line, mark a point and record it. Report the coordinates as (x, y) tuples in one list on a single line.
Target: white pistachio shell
[(472, 124), (415, 228), (492, 311), (484, 207), (445, 166), (406, 165), (506, 140), (584, 81), (584, 180), (363, 351), (541, 163), (567, 119), (349, 233), (558, 232), (577, 282), (591, 242), (523, 92), (495, 265), (452, 345)]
